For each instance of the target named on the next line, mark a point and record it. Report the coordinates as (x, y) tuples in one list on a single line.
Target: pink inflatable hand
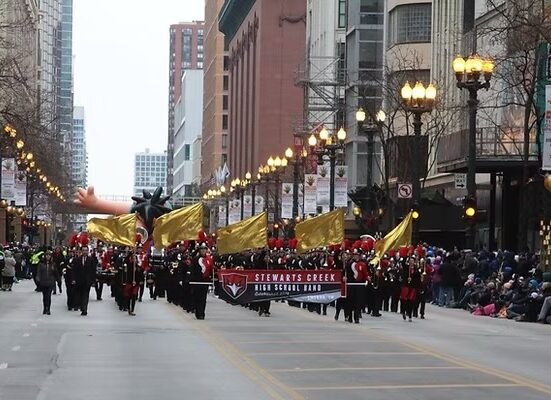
[(87, 198)]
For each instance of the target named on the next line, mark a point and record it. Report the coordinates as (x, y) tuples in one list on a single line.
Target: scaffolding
[(323, 80)]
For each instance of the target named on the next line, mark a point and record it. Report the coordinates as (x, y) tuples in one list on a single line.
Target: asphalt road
[(164, 353)]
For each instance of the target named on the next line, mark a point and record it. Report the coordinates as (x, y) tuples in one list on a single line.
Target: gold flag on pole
[(320, 231), (247, 234), (399, 236), (181, 224), (119, 230)]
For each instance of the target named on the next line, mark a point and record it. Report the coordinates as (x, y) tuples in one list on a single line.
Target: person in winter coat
[(46, 278), (8, 273)]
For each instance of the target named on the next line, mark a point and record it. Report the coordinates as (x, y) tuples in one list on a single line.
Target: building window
[(371, 12), (224, 141), (342, 14), (226, 82), (410, 24), (226, 63), (187, 152), (225, 102), (225, 121)]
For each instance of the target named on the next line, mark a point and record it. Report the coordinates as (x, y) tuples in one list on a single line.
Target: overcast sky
[(121, 79)]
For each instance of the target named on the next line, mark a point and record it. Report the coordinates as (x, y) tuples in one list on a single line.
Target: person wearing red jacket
[(355, 272)]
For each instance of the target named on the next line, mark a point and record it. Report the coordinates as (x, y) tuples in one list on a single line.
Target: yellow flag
[(181, 224), (119, 230), (320, 231), (399, 236), (247, 234)]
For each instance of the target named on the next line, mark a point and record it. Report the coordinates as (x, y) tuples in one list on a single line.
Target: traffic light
[(469, 207), (415, 213)]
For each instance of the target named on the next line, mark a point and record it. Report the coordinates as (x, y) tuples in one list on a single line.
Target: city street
[(166, 354)]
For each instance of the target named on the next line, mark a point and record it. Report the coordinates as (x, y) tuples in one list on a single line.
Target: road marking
[(395, 387), (339, 341), (3, 365), (363, 369), (26, 334), (16, 348), (521, 381), (240, 360), (337, 353)]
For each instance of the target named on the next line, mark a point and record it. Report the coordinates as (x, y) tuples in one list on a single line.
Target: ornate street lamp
[(473, 73), (418, 101), (330, 147), (369, 129)]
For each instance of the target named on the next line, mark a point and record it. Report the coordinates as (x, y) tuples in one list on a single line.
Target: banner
[(8, 180), (247, 206), (250, 233), (20, 189), (221, 216), (180, 224), (316, 286), (120, 230), (546, 151), (324, 186), (258, 204), (399, 236), (286, 200), (235, 211), (341, 186), (320, 231), (310, 194)]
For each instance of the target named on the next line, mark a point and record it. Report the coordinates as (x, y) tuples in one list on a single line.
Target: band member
[(84, 268), (201, 270), (377, 282), (355, 272), (131, 288), (408, 292)]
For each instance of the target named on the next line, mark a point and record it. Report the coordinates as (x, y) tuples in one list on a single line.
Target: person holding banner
[(200, 276)]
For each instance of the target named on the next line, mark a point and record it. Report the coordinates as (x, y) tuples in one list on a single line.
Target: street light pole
[(418, 101), (370, 131), (468, 73), (330, 146)]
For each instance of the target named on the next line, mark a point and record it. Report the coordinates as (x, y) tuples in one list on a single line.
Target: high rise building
[(49, 63), (79, 160), (365, 68), (65, 73), (266, 43), (215, 100), (149, 171), (186, 52), (188, 118)]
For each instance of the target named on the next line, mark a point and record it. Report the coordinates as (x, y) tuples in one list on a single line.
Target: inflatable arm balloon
[(87, 198), (148, 208)]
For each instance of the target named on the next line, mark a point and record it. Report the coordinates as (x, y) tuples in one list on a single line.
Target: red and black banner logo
[(242, 287)]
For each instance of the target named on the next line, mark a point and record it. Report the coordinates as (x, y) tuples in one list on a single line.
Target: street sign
[(405, 190), (460, 181)]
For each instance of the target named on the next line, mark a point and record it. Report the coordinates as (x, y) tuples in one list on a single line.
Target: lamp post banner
[(341, 186), (221, 216), (258, 204), (315, 286), (8, 179), (235, 211), (546, 158), (287, 200), (310, 194), (20, 189), (248, 206), (324, 186)]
